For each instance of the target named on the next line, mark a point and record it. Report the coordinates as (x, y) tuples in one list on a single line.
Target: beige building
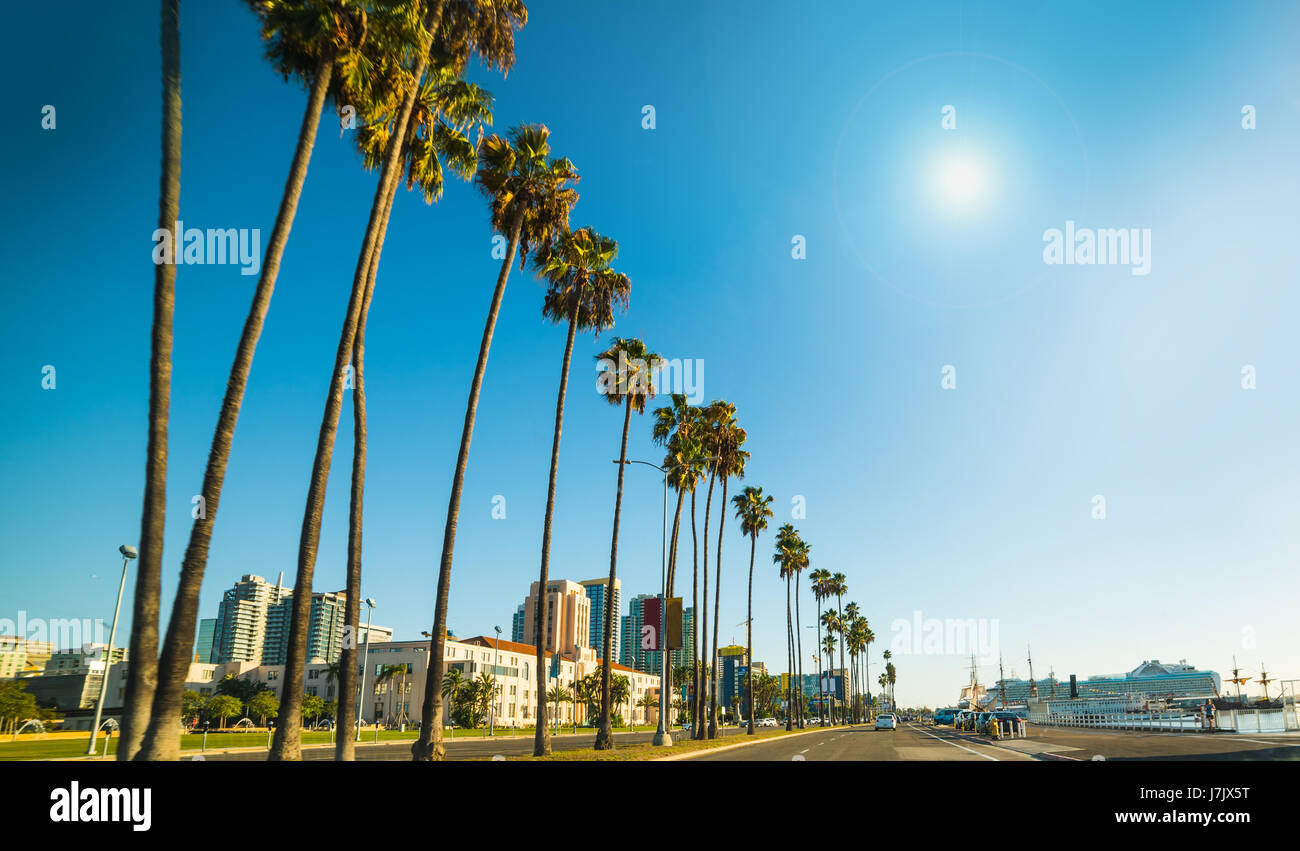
[(22, 657), (568, 616)]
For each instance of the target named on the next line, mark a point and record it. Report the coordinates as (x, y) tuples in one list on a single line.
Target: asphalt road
[(912, 741), (864, 744)]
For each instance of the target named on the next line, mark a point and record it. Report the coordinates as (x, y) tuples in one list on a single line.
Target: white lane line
[(955, 745), (805, 750)]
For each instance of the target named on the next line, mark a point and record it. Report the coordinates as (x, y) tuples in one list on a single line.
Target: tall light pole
[(365, 663), (492, 707), (128, 552), (663, 736)]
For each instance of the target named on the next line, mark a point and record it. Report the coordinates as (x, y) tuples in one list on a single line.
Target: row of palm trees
[(400, 64)]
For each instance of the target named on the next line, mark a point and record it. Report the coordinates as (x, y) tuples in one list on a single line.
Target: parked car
[(886, 722), (944, 716), (766, 722), (964, 721)]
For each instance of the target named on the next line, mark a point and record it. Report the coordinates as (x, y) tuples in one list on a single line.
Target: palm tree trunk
[(706, 698), (798, 638), (142, 673), (605, 738), (790, 661), (821, 692), (178, 648), (541, 744), (749, 633), (697, 657), (839, 609), (717, 600), (286, 744), (429, 745)]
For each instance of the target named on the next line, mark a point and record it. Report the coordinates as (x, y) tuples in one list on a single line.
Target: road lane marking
[(955, 745)]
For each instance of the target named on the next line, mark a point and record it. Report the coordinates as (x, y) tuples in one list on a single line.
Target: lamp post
[(663, 737), (128, 552), (365, 662), (492, 707)]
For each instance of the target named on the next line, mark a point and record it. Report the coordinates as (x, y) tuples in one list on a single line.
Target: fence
[(1227, 720)]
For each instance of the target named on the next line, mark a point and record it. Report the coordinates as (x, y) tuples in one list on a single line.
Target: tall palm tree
[(786, 538), (306, 39), (839, 587), (752, 510), (832, 625), (445, 110), (724, 438), (142, 674), (828, 647), (800, 564), (867, 638), (530, 198), (555, 696), (286, 744), (887, 656), (677, 426), (583, 291), (620, 692), (851, 617), (818, 578), (630, 383)]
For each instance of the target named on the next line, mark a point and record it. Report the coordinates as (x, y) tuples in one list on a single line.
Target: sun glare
[(958, 182)]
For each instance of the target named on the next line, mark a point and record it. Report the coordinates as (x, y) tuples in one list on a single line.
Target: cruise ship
[(1152, 680)]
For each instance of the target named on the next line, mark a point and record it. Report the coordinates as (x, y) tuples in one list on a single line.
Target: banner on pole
[(674, 627), (651, 617)]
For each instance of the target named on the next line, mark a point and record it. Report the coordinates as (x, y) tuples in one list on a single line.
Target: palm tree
[(620, 692), (583, 290), (851, 619), (785, 556), (752, 510), (556, 695), (530, 199), (818, 578), (677, 426), (308, 40), (142, 674), (724, 437), (831, 623), (839, 588), (887, 656), (633, 384), (286, 744), (447, 107), (649, 702), (800, 563)]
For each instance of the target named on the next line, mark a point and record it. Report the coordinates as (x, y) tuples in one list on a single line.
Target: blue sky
[(975, 502)]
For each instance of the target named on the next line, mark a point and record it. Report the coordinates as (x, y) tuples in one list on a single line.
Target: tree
[(142, 674), (620, 692), (752, 510), (583, 290), (630, 383), (264, 705), (829, 643), (724, 439), (678, 426), (786, 557), (446, 108), (839, 588), (286, 744), (555, 696), (530, 199), (306, 39), (818, 578), (312, 707), (800, 563), (191, 706), (221, 707)]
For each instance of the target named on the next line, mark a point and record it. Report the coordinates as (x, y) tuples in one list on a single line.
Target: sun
[(958, 181)]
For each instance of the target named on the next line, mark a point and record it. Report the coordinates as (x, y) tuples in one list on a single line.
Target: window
[(272, 675), (313, 674)]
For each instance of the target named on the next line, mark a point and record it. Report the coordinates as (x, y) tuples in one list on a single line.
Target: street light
[(128, 552), (663, 737), (492, 707), (365, 662)]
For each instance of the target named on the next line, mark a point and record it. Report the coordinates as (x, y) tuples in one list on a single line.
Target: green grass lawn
[(33, 747)]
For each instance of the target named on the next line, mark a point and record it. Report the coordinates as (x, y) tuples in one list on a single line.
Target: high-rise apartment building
[(596, 590), (203, 644), (240, 631), (324, 628), (648, 660), (517, 625)]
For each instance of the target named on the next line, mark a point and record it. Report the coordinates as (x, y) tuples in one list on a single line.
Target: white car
[(766, 722), (886, 722)]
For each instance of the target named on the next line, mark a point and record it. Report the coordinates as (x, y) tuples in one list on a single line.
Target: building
[(517, 625), (23, 657), (87, 659), (596, 590), (203, 644), (239, 634), (648, 660), (568, 616), (324, 628)]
